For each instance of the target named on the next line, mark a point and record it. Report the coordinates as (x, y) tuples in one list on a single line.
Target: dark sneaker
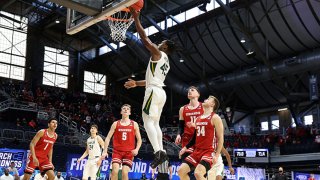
[(160, 157), (163, 156), (156, 160)]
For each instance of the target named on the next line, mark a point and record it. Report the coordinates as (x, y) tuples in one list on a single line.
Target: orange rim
[(117, 19)]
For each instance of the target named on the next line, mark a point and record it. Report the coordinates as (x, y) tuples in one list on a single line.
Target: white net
[(119, 22)]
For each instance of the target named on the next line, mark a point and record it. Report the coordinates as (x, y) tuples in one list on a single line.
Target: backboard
[(79, 18)]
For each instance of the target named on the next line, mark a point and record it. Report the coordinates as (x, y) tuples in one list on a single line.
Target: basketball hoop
[(119, 23)]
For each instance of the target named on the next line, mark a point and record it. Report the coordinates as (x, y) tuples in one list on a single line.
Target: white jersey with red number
[(45, 144), (124, 138)]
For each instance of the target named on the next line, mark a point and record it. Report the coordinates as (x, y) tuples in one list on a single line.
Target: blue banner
[(304, 176), (18, 156), (228, 174), (138, 168)]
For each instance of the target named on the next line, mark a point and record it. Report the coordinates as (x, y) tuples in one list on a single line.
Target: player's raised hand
[(130, 84), (134, 12), (134, 152), (178, 139), (36, 162)]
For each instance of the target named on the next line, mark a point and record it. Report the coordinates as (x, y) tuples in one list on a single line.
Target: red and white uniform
[(190, 115), (124, 141), (42, 149), (205, 133)]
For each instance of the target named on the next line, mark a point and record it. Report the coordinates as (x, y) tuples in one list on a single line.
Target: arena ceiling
[(283, 34)]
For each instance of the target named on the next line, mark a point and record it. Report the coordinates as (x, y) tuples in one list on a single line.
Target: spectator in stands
[(40, 176), (6, 175), (24, 121), (18, 122), (58, 176), (33, 124), (143, 177), (281, 175), (13, 171)]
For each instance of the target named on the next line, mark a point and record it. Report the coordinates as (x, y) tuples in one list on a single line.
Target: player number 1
[(193, 119), (46, 146)]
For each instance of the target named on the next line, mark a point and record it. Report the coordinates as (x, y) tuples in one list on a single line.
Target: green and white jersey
[(157, 71), (93, 147)]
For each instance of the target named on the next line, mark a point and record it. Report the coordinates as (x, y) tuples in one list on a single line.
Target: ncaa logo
[(16, 156), (302, 177)]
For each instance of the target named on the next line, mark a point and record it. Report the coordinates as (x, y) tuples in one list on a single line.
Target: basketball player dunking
[(124, 132), (94, 145), (155, 97), (41, 149), (206, 126)]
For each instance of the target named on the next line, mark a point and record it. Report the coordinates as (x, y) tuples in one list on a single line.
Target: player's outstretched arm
[(139, 140), (33, 143), (107, 141), (181, 126), (154, 50), (132, 83), (226, 153), (217, 122), (84, 155)]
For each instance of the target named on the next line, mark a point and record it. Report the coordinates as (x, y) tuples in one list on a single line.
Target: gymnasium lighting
[(133, 76), (57, 21), (242, 40), (181, 60), (282, 109), (228, 109), (251, 54)]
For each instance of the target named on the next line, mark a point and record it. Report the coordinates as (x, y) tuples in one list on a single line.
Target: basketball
[(138, 5)]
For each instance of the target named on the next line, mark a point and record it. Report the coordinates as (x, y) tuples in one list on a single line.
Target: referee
[(163, 170)]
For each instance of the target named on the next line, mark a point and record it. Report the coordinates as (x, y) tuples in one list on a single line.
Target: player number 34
[(201, 131)]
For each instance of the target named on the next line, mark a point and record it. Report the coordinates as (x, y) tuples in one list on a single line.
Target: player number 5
[(124, 136)]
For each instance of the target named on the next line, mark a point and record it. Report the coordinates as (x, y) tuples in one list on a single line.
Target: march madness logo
[(18, 156)]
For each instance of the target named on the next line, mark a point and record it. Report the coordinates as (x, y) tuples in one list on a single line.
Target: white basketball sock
[(152, 133)]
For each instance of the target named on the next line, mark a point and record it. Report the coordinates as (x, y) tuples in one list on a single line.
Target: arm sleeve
[(181, 127), (192, 141)]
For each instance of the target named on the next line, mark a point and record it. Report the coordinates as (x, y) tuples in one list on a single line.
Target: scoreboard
[(251, 153)]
